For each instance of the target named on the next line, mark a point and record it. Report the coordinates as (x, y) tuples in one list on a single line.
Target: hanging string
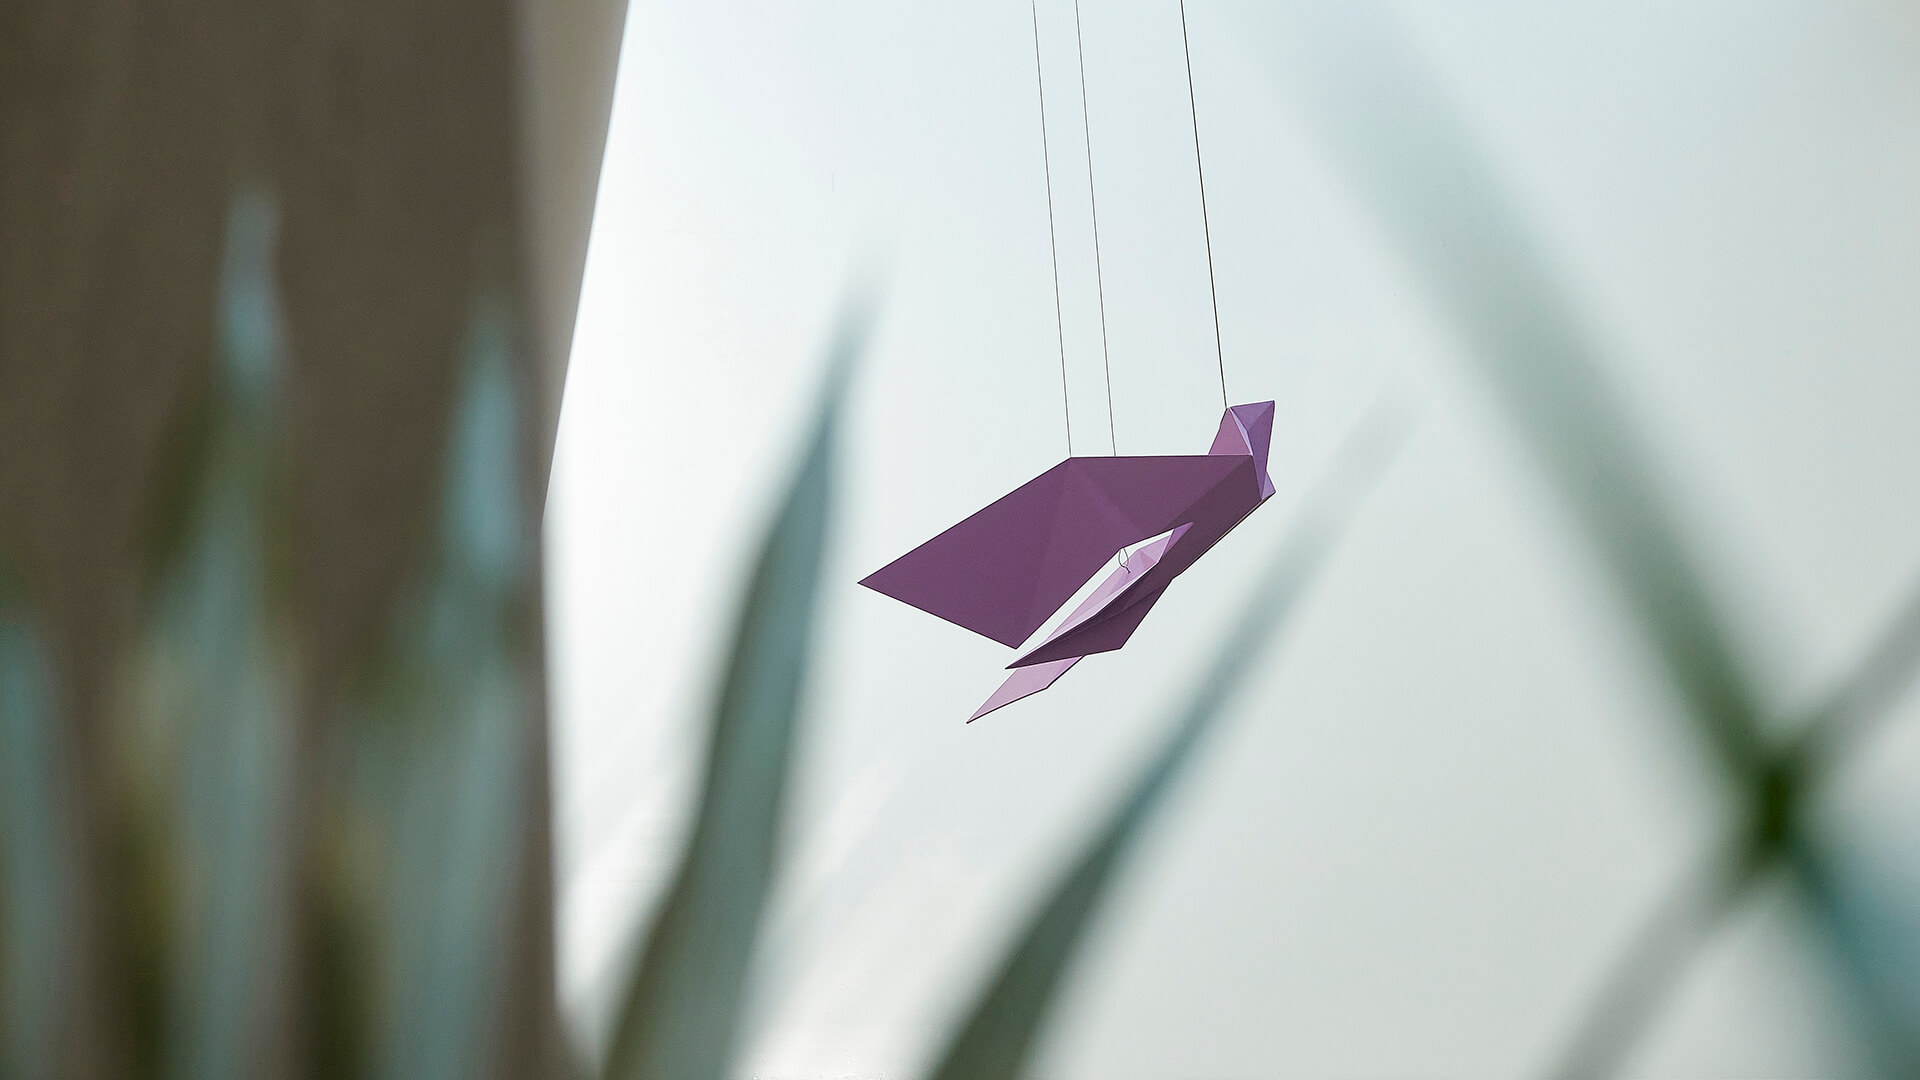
[(1053, 242), (1206, 230), (1086, 126)]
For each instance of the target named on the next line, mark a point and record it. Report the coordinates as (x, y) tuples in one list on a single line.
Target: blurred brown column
[(417, 150)]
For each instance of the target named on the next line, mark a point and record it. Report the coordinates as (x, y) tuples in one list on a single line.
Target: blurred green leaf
[(682, 1008), (1445, 209), (1646, 970), (1450, 217), (997, 1037), (1861, 895), (1863, 903), (1861, 699), (448, 725), (221, 676), (32, 884)]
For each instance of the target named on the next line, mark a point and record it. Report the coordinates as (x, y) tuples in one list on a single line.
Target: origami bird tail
[(1025, 682)]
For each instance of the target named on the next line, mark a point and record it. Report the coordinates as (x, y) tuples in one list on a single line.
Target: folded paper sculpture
[(1004, 571)]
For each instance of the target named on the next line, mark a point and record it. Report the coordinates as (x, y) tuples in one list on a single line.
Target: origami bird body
[(1004, 571)]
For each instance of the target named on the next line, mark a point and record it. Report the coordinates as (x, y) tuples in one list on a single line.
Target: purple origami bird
[(1004, 571)]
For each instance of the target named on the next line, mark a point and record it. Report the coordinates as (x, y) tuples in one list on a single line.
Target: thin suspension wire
[(1053, 242), (1086, 127), (1206, 230)]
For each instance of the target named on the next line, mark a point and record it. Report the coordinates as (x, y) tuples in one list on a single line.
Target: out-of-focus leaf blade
[(32, 882), (678, 1018), (1858, 894), (1442, 205), (1646, 970), (456, 718), (998, 1034), (1862, 901), (1440, 202), (217, 641), (1865, 695)]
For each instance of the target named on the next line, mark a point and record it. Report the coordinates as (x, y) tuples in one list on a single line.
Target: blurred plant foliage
[(1385, 119), (409, 896), (30, 891), (412, 893)]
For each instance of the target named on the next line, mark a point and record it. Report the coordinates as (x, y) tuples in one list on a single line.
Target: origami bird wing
[(1005, 570), (1119, 593), (1127, 587)]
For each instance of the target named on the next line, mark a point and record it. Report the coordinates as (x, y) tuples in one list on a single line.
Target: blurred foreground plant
[(31, 879), (1437, 197), (293, 905), (362, 887)]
